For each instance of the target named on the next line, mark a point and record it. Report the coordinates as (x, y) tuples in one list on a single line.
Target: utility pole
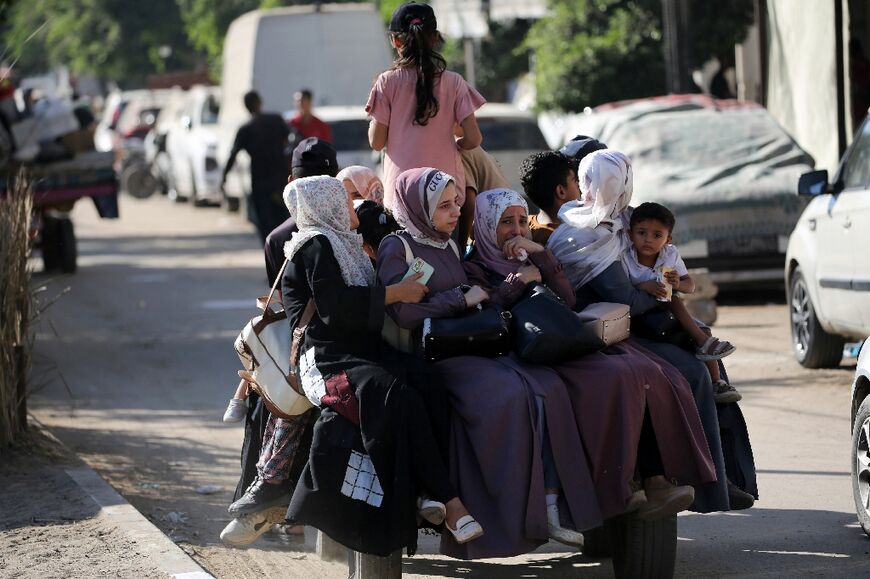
[(675, 24)]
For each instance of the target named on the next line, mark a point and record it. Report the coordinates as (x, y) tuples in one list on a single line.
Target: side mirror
[(186, 122), (813, 183)]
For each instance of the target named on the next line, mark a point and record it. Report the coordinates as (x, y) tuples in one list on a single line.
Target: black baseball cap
[(314, 154), (580, 146), (412, 13)]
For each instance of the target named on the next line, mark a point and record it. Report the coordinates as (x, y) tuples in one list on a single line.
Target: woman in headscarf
[(362, 183), (496, 427), (588, 244), (631, 411), (372, 450)]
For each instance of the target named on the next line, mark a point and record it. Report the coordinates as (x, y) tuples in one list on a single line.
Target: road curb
[(166, 555)]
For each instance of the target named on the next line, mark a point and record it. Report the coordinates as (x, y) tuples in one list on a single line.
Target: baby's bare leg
[(678, 308), (241, 391)]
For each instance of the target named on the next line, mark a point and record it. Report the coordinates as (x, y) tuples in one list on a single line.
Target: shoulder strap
[(409, 254), (455, 248), (275, 285)]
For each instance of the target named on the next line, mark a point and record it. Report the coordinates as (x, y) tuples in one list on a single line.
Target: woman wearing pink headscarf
[(362, 183)]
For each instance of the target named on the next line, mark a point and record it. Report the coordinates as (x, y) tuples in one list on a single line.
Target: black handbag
[(546, 330), (484, 331), (660, 325)]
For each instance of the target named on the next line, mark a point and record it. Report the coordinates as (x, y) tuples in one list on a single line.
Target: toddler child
[(653, 264)]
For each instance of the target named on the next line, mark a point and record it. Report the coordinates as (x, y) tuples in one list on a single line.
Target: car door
[(844, 233), (856, 224)]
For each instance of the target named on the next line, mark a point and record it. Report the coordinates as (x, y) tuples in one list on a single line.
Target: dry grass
[(15, 303)]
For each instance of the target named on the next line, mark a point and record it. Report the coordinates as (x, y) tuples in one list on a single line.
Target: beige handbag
[(612, 322), (270, 352)]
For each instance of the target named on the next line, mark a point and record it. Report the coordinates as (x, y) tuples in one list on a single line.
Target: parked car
[(861, 438), (725, 168), (827, 273), (350, 137), (510, 135), (191, 147), (105, 135)]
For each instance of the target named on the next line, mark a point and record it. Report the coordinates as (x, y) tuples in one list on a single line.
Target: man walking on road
[(264, 138), (304, 123)]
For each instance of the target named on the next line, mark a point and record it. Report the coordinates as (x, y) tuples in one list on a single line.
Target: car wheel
[(813, 346), (861, 464)]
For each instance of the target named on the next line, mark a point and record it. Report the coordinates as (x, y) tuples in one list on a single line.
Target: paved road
[(135, 364)]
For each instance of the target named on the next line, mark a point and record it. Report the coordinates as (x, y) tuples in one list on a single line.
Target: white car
[(827, 273), (191, 145), (861, 439)]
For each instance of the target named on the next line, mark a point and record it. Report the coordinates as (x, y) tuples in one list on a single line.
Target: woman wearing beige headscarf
[(362, 182)]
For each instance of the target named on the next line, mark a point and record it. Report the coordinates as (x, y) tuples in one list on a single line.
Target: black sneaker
[(260, 496), (738, 498)]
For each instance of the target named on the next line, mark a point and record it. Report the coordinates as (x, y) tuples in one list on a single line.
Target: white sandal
[(714, 349), (467, 529)]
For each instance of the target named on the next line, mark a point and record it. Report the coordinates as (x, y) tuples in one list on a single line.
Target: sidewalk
[(60, 519)]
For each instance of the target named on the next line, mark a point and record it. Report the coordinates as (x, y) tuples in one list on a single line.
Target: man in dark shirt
[(264, 138)]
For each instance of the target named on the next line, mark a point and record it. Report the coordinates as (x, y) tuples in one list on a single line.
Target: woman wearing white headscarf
[(373, 451), (589, 244)]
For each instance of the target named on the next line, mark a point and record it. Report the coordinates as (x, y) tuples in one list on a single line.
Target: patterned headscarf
[(417, 194), (591, 236), (319, 207), (489, 208), (367, 184)]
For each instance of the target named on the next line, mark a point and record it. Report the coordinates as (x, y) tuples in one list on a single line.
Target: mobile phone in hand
[(419, 265)]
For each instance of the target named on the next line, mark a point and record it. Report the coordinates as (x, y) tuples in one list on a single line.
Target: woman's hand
[(654, 288), (474, 296), (407, 291), (512, 247), (529, 273)]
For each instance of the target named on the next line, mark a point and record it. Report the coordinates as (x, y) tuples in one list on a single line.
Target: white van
[(336, 51)]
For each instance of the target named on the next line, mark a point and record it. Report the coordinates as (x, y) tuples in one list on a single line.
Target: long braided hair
[(417, 48)]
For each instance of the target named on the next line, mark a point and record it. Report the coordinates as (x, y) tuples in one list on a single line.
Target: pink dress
[(392, 102)]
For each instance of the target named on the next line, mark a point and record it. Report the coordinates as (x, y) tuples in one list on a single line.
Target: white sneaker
[(433, 511), (236, 410), (560, 533), (244, 530)]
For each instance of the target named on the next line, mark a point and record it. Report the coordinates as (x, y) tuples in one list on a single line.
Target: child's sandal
[(725, 393), (714, 349)]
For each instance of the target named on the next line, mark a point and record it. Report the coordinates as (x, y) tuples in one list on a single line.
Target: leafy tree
[(112, 38), (589, 52)]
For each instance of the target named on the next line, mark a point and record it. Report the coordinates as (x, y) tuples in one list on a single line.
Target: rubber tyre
[(596, 543), (861, 464), (643, 549), (813, 347), (59, 250), (233, 204), (138, 182)]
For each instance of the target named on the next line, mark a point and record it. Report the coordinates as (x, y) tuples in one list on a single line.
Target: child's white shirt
[(669, 256)]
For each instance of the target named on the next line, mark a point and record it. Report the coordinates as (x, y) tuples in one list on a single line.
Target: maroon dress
[(495, 449), (609, 392)]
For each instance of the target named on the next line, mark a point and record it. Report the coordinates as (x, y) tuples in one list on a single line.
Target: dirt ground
[(50, 527)]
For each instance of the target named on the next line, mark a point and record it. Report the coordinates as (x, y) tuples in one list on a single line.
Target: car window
[(210, 110), (511, 134), (856, 173), (350, 135)]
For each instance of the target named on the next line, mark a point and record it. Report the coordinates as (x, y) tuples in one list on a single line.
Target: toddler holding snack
[(654, 265)]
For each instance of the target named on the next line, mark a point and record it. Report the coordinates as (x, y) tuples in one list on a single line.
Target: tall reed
[(15, 305)]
